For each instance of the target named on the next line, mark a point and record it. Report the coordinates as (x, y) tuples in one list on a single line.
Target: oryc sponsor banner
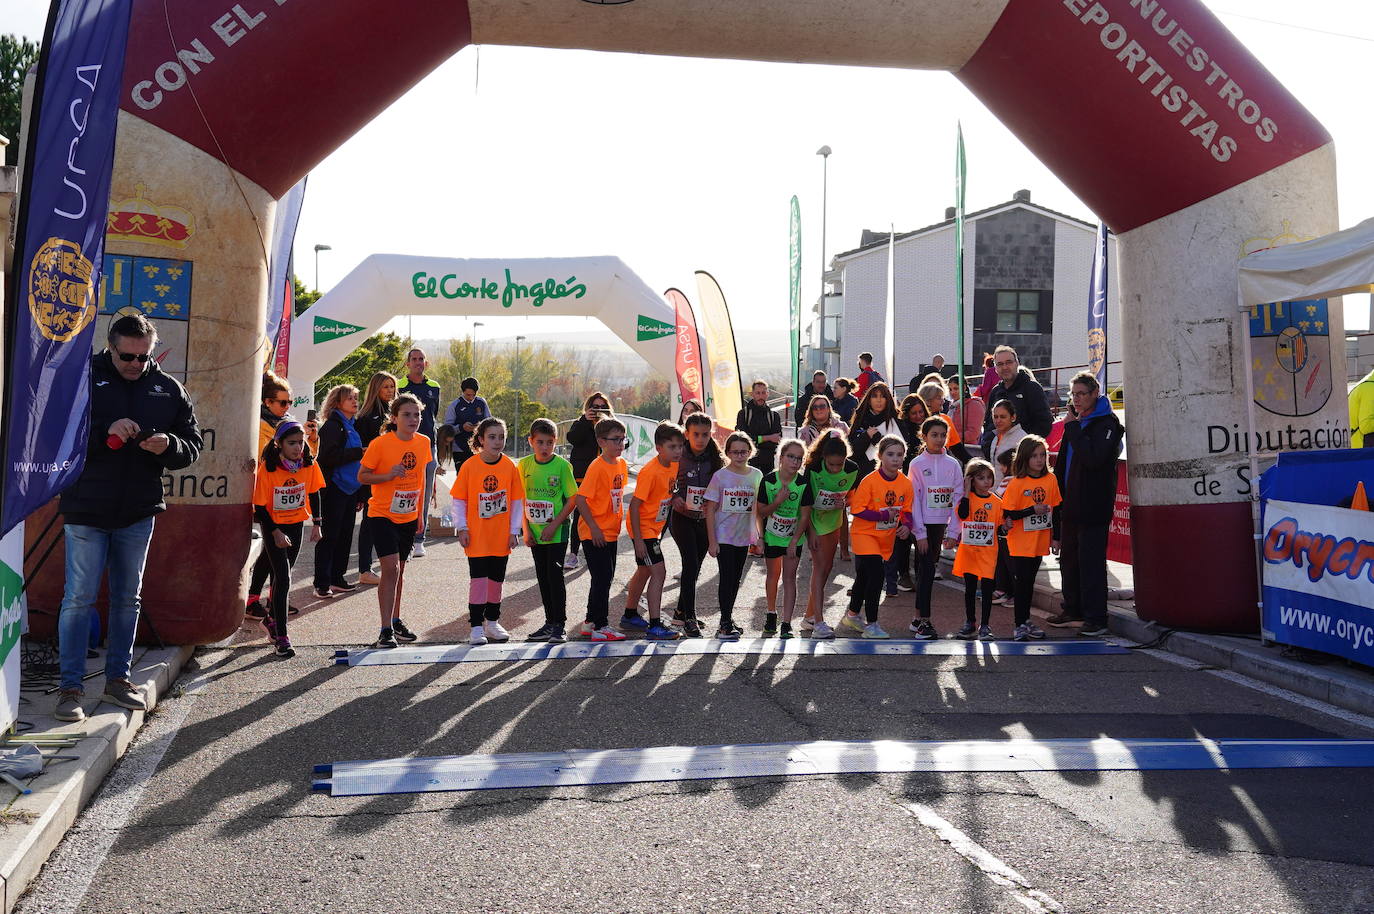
[(1318, 577)]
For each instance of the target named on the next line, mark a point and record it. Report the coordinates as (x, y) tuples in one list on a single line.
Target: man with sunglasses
[(142, 425)]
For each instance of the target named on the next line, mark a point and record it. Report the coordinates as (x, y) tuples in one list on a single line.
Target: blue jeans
[(90, 550)]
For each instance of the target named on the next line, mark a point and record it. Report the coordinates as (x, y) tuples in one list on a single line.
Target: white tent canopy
[(389, 285), (1338, 264)]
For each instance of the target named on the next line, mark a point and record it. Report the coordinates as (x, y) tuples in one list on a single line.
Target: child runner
[(394, 466), (285, 492), (1002, 583), (830, 475), (881, 510), (937, 484), (980, 514), (732, 525), (549, 500), (649, 510), (785, 501), (600, 504), (488, 503), (699, 462), (1032, 507)]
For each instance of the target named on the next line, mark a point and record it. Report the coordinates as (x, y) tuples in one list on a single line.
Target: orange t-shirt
[(286, 493), (604, 489), (490, 490), (874, 493), (654, 489), (953, 438), (977, 553), (1030, 535), (397, 499)]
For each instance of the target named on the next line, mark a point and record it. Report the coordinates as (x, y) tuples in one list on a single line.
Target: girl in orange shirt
[(394, 466), (1031, 506), (881, 509), (980, 514), (285, 492), (489, 507)]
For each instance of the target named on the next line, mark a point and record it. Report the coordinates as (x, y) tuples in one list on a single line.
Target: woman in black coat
[(582, 437)]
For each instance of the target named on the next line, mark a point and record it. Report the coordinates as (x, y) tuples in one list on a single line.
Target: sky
[(677, 164)]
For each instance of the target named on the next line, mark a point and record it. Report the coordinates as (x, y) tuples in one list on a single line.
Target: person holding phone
[(582, 436)]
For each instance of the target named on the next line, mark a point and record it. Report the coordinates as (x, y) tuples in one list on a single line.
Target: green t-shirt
[(779, 527), (827, 495), (548, 486)]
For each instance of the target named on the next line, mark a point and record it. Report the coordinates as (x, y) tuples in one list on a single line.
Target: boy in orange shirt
[(600, 503), (488, 505), (649, 510)]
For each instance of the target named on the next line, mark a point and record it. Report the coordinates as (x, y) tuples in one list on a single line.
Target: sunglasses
[(142, 357), (278, 402)]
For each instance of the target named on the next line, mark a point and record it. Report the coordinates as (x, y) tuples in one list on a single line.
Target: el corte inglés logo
[(647, 328), (326, 329)]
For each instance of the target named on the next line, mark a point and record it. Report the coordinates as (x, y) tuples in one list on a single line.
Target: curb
[(64, 788)]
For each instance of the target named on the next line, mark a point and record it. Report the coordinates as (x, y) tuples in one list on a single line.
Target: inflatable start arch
[(1148, 109)]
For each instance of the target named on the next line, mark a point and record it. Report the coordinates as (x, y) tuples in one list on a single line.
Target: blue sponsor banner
[(61, 232), (1097, 310)]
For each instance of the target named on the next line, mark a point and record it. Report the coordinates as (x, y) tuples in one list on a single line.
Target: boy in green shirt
[(549, 491)]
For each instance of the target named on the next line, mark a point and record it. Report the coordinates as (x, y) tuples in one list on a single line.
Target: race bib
[(940, 498), (288, 498), (1037, 522), (695, 496), (617, 501), (736, 501), (405, 502), (490, 504), (829, 501), (663, 508), (782, 527), (887, 524), (539, 512), (979, 533)]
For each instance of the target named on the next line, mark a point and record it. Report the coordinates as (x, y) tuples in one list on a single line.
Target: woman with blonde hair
[(341, 451)]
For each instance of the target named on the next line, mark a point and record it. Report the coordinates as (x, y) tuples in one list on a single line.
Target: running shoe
[(292, 610), (691, 628), (478, 636), (890, 590), (999, 595), (985, 634), (678, 619), (822, 632), (786, 633), (284, 648), (657, 631), (255, 608), (387, 639), (938, 576), (1008, 600), (849, 625), (418, 550), (496, 633), (1022, 633), (368, 577), (605, 633), (271, 625), (967, 633), (585, 630), (1035, 631), (874, 632), (324, 593), (770, 625), (543, 632), (1093, 630), (808, 624), (402, 633), (923, 630), (570, 561), (556, 636), (727, 632), (904, 582), (633, 622), (342, 586)]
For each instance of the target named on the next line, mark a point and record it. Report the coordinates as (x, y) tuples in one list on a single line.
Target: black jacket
[(754, 421), (334, 452), (804, 401), (582, 437), (121, 486), (1089, 485), (1032, 409)]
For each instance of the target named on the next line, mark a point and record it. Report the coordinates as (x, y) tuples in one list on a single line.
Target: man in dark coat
[(1018, 385), (817, 387), (762, 425)]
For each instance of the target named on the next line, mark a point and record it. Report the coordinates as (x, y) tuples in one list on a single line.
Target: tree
[(17, 55), (380, 352), (304, 297)]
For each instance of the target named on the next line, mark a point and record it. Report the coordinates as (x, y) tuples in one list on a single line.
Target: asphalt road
[(212, 809)]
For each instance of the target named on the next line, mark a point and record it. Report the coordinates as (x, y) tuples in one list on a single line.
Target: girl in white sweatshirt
[(937, 483)]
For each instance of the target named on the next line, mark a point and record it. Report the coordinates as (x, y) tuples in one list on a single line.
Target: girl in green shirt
[(784, 501), (830, 475)]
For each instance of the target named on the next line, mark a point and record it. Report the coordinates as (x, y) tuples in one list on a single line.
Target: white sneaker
[(570, 561), (605, 633), (808, 625), (478, 636), (822, 632), (418, 550), (850, 624), (496, 632), (873, 632)]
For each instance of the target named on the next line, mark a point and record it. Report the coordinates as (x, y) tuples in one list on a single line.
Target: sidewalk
[(32, 825)]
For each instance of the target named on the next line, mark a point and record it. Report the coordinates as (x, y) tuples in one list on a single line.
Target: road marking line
[(994, 868), (67, 876)]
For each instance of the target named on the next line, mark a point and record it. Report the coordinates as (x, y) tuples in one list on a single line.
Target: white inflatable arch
[(396, 285)]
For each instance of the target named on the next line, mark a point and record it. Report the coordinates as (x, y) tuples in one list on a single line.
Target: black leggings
[(868, 585), (262, 570), (553, 590), (1023, 570), (601, 565), (281, 561), (925, 568), (338, 509), (733, 560), (971, 591), (690, 536), (493, 568)]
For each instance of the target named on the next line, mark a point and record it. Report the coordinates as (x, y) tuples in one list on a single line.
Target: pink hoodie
[(937, 482)]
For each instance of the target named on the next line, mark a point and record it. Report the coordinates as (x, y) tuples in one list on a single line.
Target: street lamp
[(516, 384), (824, 153), (318, 248), (475, 325)]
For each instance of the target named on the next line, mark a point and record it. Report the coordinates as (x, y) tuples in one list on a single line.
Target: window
[(1018, 312)]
